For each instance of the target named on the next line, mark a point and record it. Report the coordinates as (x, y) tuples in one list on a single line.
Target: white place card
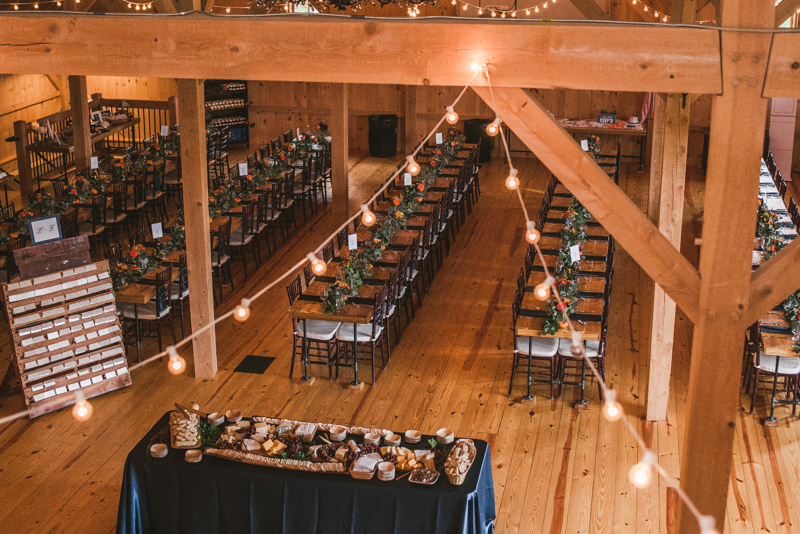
[(575, 253), (585, 145), (164, 131), (406, 178), (156, 230), (298, 134), (94, 163), (243, 169), (352, 241), (439, 139), (44, 229)]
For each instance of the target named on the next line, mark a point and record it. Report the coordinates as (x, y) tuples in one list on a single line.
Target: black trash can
[(382, 136), (475, 130)]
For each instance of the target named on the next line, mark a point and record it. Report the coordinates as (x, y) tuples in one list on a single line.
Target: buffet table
[(218, 495)]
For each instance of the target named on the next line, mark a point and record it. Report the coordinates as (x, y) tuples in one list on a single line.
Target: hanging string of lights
[(650, 11), (640, 475)]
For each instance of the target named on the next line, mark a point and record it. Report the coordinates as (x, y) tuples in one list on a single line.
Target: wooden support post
[(172, 102), (80, 121), (339, 151), (738, 118), (24, 171), (198, 233), (670, 146), (411, 118)]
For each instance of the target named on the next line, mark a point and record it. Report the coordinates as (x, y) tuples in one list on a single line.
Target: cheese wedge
[(259, 426), (277, 448), (341, 454), (267, 445), (384, 450), (429, 464)]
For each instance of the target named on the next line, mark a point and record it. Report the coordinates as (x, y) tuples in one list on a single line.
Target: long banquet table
[(216, 495)]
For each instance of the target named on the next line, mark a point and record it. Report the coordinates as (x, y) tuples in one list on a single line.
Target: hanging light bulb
[(16, 6), (480, 11), (150, 5), (242, 311), (36, 5), (83, 408), (367, 217), (503, 15), (655, 14), (138, 7), (494, 13), (665, 18), (453, 2), (452, 116), (542, 291), (317, 265), (612, 410), (708, 525), (493, 128), (544, 5), (228, 10), (645, 9), (514, 14), (641, 474), (512, 182), (412, 167), (536, 9), (527, 11), (532, 235), (176, 364), (58, 3), (464, 7), (130, 6)]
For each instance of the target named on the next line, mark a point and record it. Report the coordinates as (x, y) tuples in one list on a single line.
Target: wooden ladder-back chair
[(155, 201), (276, 144)]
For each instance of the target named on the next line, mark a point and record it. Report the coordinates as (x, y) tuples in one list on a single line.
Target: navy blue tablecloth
[(216, 495)]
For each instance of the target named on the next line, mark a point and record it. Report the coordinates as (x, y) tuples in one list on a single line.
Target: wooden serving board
[(174, 440)]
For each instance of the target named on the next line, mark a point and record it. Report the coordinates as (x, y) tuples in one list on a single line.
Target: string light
[(494, 13), (83, 409), (650, 10), (16, 6), (452, 116), (242, 311), (317, 265), (412, 166), (641, 474), (542, 291), (532, 235), (512, 182), (708, 525), (612, 410), (493, 128), (227, 10), (367, 217), (176, 364)]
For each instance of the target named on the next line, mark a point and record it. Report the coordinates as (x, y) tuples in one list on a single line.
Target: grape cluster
[(368, 449), (390, 457), (225, 445), (249, 431), (326, 452), (295, 448)]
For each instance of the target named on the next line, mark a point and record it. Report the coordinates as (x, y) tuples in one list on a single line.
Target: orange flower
[(433, 163), (13, 235), (377, 240), (452, 143), (211, 200), (73, 191), (210, 219), (140, 246), (149, 162), (134, 253), (398, 215), (421, 187), (94, 191), (250, 177), (396, 201), (237, 200), (563, 325), (219, 211)]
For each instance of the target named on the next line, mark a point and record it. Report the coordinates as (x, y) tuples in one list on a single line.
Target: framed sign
[(45, 229)]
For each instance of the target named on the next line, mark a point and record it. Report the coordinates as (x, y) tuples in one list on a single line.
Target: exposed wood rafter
[(590, 9), (785, 10), (556, 148), (774, 281)]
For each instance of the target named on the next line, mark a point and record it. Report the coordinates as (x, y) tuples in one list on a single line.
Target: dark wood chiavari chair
[(287, 205), (320, 336), (425, 255), (221, 152), (276, 144), (156, 312), (538, 352), (69, 223), (264, 152), (220, 259), (372, 334), (247, 236), (327, 252), (308, 275), (155, 201), (114, 252), (233, 173), (392, 305), (8, 262), (763, 366), (341, 239), (115, 216), (287, 136), (94, 227), (180, 291), (252, 161), (135, 203), (7, 212), (304, 191)]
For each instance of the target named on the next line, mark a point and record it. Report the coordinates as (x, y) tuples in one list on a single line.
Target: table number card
[(156, 230), (164, 131), (406, 178), (575, 253), (44, 229), (298, 133), (94, 163), (243, 169), (585, 145), (439, 139), (352, 241)]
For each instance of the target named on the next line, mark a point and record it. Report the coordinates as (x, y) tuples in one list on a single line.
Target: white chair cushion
[(345, 333), (391, 310), (110, 217), (789, 365), (215, 259), (565, 348), (542, 347), (85, 228), (318, 330), (150, 195), (236, 238), (121, 308), (147, 312), (129, 205), (176, 294)]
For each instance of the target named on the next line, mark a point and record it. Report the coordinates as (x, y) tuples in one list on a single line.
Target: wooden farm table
[(55, 148), (308, 306), (137, 294)]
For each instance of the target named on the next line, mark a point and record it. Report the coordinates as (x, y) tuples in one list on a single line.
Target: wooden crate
[(66, 336)]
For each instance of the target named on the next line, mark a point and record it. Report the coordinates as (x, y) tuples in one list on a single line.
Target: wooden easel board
[(66, 336)]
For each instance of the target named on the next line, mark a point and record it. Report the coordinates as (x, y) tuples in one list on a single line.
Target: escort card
[(156, 230), (243, 169), (164, 131), (439, 139), (352, 241), (93, 164), (406, 178), (575, 253), (585, 145)]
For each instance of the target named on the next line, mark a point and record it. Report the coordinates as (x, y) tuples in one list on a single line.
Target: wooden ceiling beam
[(609, 204), (783, 70), (785, 10), (345, 50), (590, 9)]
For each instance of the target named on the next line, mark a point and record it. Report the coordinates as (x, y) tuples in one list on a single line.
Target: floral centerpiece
[(594, 146), (138, 263), (222, 200), (322, 129), (452, 142), (47, 205), (335, 297), (791, 312)]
